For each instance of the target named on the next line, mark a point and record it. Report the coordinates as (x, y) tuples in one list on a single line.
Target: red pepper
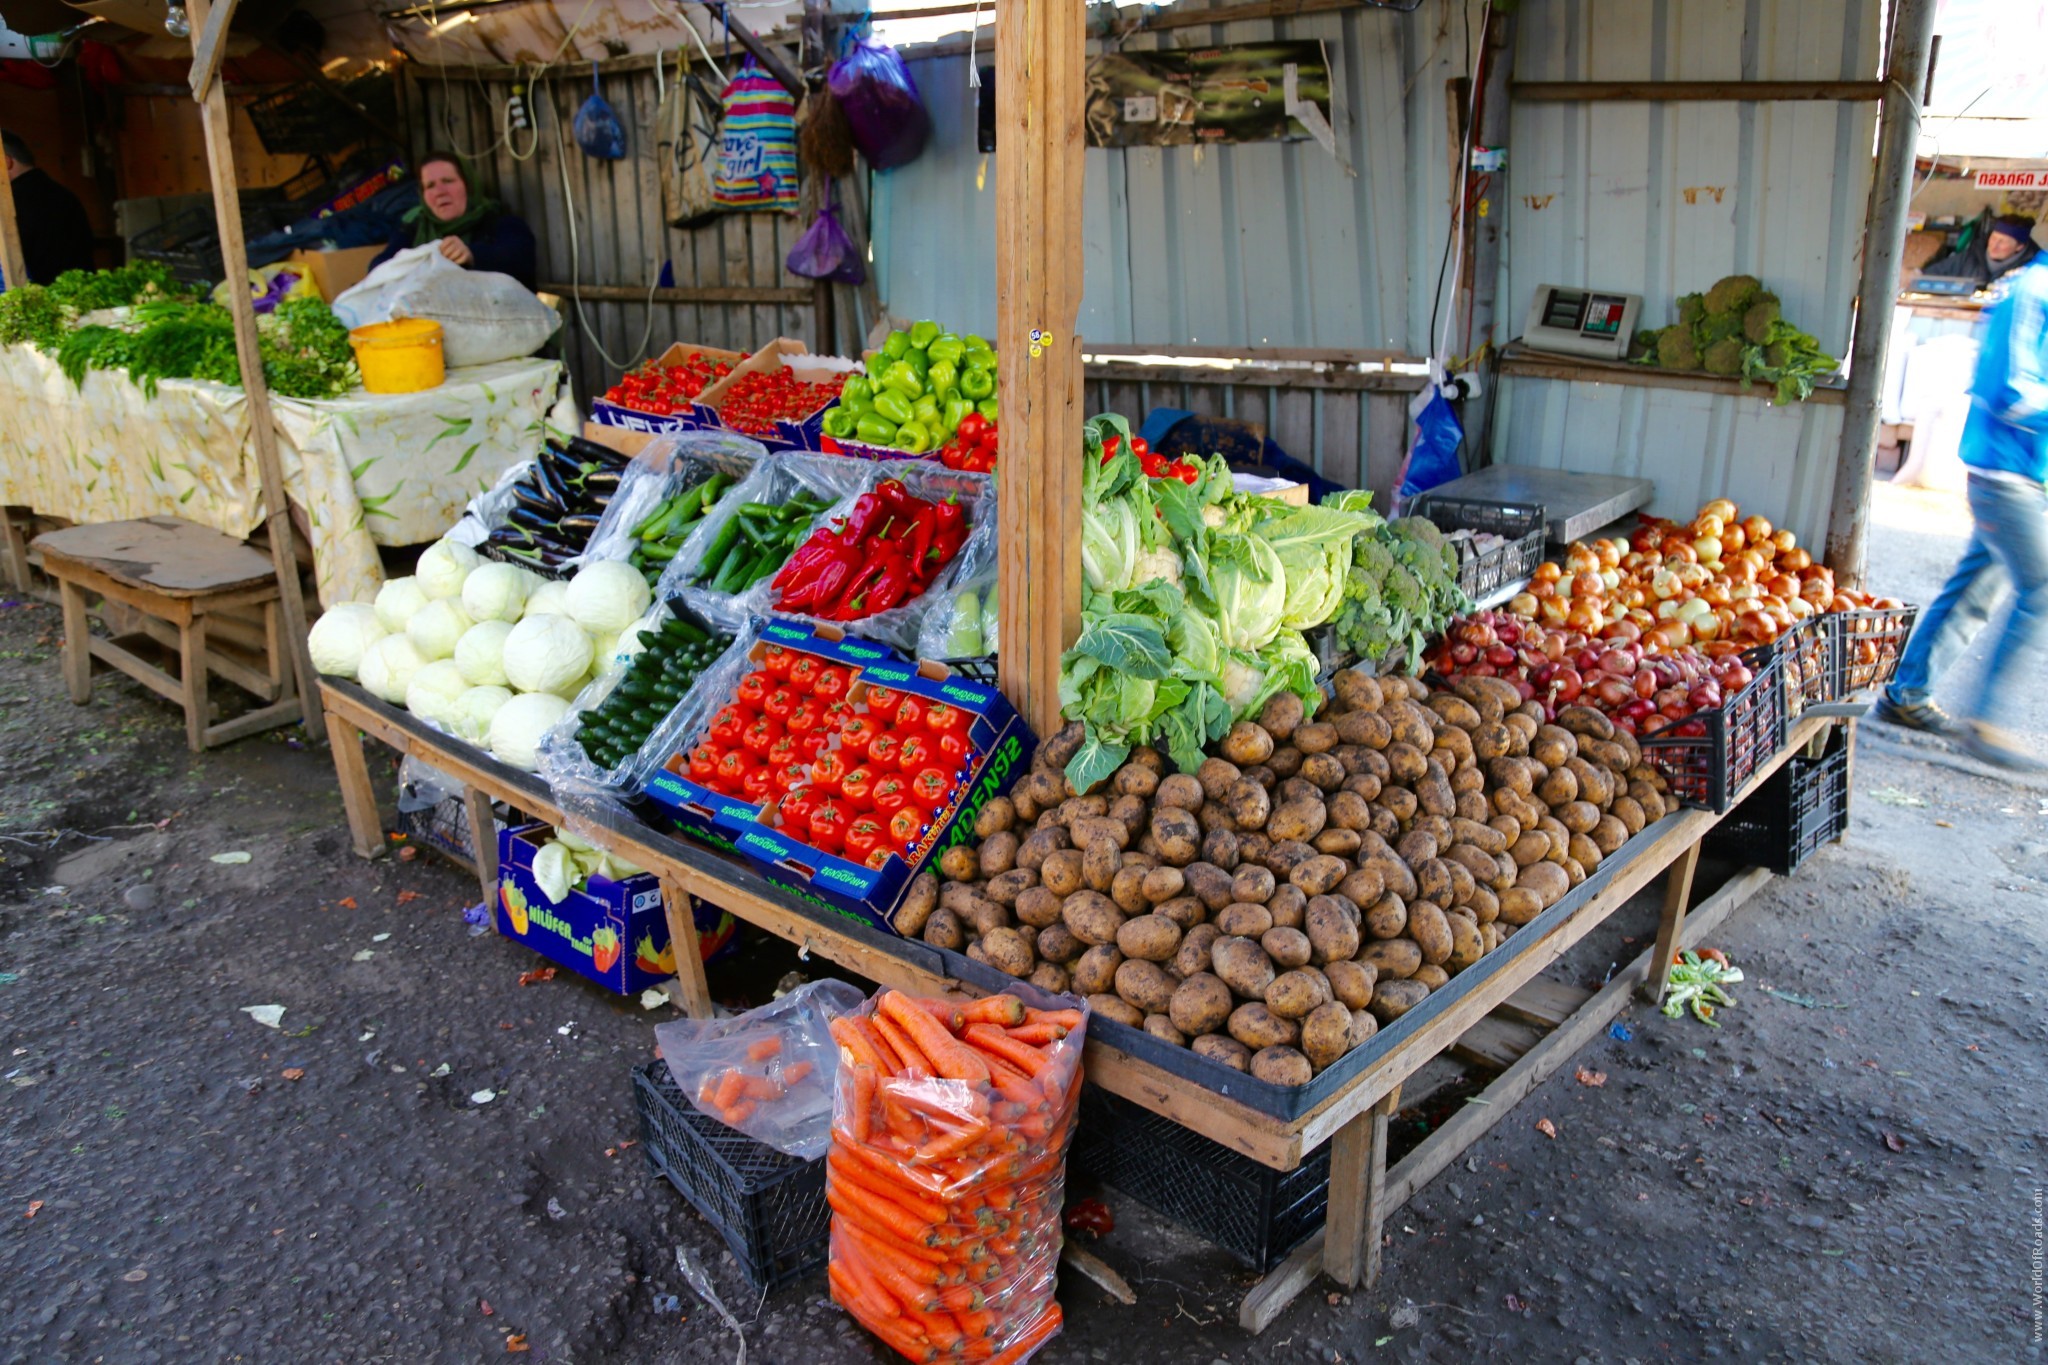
[(897, 498), (949, 533), (923, 526), (839, 607), (758, 785), (905, 826), (809, 559), (930, 788), (899, 581), (822, 580), (885, 749), (869, 511)]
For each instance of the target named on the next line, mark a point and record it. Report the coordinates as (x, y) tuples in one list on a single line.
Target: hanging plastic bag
[(769, 1073), (1433, 454), (825, 252), (873, 85), (598, 130), (757, 144)]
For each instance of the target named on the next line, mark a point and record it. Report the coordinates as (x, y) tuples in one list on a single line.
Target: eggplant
[(558, 475), (590, 452), (523, 496), (578, 523), (602, 482), (528, 518)]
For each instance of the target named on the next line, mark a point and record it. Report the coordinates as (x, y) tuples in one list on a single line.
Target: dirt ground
[(1851, 1168)]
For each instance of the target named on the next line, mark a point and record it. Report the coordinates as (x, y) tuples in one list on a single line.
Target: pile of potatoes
[(1312, 881)]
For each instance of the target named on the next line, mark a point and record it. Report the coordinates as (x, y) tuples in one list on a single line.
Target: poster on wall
[(1251, 92)]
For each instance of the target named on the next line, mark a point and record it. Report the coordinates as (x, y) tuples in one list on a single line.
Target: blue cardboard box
[(610, 414), (614, 933)]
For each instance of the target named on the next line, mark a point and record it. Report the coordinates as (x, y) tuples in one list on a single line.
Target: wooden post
[(1677, 893), (11, 262), (1358, 1177), (234, 256), (1489, 214), (1041, 58), (690, 991)]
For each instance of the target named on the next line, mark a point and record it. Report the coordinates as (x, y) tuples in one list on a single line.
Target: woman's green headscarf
[(427, 228)]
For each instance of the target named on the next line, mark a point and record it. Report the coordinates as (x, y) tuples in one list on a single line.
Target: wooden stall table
[(1363, 1191), (195, 588)]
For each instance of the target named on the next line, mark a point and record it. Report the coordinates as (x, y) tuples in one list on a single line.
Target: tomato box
[(607, 413), (1000, 747), (802, 433), (615, 933)]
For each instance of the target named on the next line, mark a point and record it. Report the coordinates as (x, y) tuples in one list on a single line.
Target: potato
[(1433, 793), (1049, 976), (1287, 947), (1519, 905), (1285, 762), (1090, 829), (1300, 819), (1323, 772), (1287, 854), (1493, 935), (1281, 715), (1609, 835), (1392, 999), (1288, 906), (1393, 957), (1433, 880), (1296, 789), (1161, 1027), (1244, 919), (1061, 873), (1178, 792), (944, 930), (1007, 951), (1316, 737), (1161, 884), (1261, 774), (1256, 1026), (1326, 1034), (1092, 916), (1559, 789), (1553, 745), (1583, 851), (1192, 956), (1139, 859), (1411, 727), (1293, 994), (1431, 975), (1248, 804), (1653, 804), (1333, 931), (1216, 776), (1584, 720), (1116, 1009), (1466, 945), (1282, 1066), (1056, 943), (1456, 710), (1547, 880), (1134, 813), (1135, 779), (1038, 906), (998, 853), (1243, 966), (1253, 848), (1338, 843), (1214, 815), (1367, 729), (1075, 809), (1319, 874), (1356, 690), (1491, 697), (1178, 834), (1127, 889), (1254, 884), (1401, 803), (995, 818), (1145, 984), (1407, 762), (1531, 848), (1463, 884), (1630, 812), (1247, 744), (1148, 938), (1221, 1047), (919, 900), (1351, 982), (1095, 970), (1484, 905), (1041, 845), (1431, 932), (1214, 887), (1386, 917), (1363, 885), (1596, 784), (1525, 723), (1396, 874), (1221, 847), (1453, 750), (1185, 911)]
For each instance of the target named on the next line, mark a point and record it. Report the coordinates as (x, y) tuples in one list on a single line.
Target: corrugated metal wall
[(621, 236), (1663, 199)]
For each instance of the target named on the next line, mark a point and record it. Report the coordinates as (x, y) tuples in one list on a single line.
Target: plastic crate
[(443, 827), (1709, 757), (309, 119), (1254, 1212), (1868, 645), (1520, 524), (1809, 663), (769, 1207), (186, 243), (1785, 821)]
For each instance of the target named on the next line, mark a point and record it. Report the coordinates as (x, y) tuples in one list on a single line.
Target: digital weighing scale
[(1598, 324)]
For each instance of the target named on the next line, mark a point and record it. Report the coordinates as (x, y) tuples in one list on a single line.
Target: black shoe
[(1924, 716), (1989, 745)]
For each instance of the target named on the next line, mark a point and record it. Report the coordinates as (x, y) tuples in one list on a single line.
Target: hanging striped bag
[(757, 151)]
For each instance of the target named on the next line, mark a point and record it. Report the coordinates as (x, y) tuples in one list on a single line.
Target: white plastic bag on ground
[(484, 316)]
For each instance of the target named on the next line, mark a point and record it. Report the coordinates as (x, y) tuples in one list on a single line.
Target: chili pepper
[(841, 423), (897, 582), (924, 525), (989, 408), (870, 510), (810, 557), (943, 375), (900, 381), (826, 587), (835, 607), (896, 345), (926, 410)]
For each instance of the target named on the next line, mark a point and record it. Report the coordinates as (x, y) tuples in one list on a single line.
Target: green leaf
[(1094, 762), (356, 473), (1129, 643), (450, 426), (467, 455)]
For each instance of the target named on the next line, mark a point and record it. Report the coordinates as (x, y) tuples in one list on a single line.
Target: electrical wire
[(576, 263), (1455, 236)]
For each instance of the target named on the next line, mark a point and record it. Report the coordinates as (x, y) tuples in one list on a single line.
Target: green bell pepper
[(914, 438), (955, 408), (892, 406), (942, 375), (897, 346), (926, 410), (946, 347), (980, 357), (902, 378), (987, 408), (923, 334), (875, 430), (841, 423), (857, 392), (919, 362), (977, 343), (977, 384)]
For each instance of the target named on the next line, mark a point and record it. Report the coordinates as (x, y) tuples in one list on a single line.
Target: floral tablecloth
[(367, 469)]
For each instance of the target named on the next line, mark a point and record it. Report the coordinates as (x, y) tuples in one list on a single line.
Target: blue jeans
[(2009, 541)]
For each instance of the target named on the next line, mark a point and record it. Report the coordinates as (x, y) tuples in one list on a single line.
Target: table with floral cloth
[(366, 469)]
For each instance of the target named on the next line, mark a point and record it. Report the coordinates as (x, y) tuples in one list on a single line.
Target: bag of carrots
[(768, 1072), (947, 1171)]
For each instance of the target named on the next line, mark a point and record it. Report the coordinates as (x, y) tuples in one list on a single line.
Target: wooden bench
[(210, 600)]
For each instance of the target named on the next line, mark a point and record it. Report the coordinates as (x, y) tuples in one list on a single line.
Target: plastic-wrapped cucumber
[(659, 677)]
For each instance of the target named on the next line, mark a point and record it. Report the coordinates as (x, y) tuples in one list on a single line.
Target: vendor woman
[(474, 231)]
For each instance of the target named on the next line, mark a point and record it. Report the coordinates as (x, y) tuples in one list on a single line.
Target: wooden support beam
[(792, 296), (770, 60), (1677, 893), (1041, 59), (220, 165), (12, 264), (1600, 92), (210, 45)]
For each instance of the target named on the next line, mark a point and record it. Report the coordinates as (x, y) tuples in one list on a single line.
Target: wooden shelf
[(1517, 359)]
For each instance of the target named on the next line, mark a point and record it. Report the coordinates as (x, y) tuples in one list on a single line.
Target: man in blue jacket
[(2005, 445)]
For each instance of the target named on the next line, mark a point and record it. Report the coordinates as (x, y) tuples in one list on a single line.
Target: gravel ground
[(1850, 1169)]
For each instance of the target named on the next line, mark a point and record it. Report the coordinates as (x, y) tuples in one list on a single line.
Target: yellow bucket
[(401, 356)]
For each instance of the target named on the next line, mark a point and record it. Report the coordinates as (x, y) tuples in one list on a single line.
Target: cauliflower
[(1162, 563)]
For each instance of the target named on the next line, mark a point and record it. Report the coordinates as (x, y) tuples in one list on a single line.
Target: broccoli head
[(1718, 327), (1777, 355), (1675, 349), (1644, 346), (1418, 528), (1723, 357), (1733, 293), (1691, 308), (1758, 317)]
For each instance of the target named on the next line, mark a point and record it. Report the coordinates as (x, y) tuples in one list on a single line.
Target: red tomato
[(804, 718), (704, 763), (864, 834), (788, 776), (760, 735), (940, 718), (915, 752), (930, 788), (832, 682), (777, 661), (857, 733), (727, 726), (905, 826), (753, 689), (953, 750), (891, 793), (827, 826), (796, 810), (733, 766), (883, 750), (858, 786), (812, 743), (786, 752), (883, 701), (758, 785), (781, 704), (879, 858), (803, 674), (910, 715)]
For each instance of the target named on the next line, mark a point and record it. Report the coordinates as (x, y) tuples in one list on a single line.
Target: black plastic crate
[(1785, 821), (1868, 645), (769, 1207), (443, 827), (1254, 1212), (1520, 524), (1809, 662), (311, 119), (1709, 757), (186, 243)]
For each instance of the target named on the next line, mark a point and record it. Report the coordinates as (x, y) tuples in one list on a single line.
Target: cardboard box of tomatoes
[(661, 395), (853, 767), (614, 933), (778, 397)]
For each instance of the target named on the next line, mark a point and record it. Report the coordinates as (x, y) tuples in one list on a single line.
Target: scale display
[(1588, 322)]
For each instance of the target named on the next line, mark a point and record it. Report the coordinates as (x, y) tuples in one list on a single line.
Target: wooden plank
[(192, 682), (1087, 1263), (358, 798), (165, 555), (220, 163), (1517, 359), (483, 837), (1677, 891), (77, 642), (115, 655), (692, 994), (18, 576), (1039, 261), (253, 722), (209, 47), (1358, 1172), (1544, 1002), (1666, 91), (1495, 1043), (1299, 377)]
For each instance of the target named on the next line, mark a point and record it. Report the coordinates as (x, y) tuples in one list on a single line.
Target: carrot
[(952, 1144), (976, 1324), (945, 1011), (861, 1107), (891, 1224), (765, 1048), (887, 1255), (890, 1199), (847, 1033), (1034, 1337), (791, 1075), (908, 1050), (1070, 1019), (891, 1062), (707, 1094), (897, 1335), (988, 1038), (1005, 1011), (760, 1088), (738, 1114), (1038, 1035), (862, 1280), (949, 1057)]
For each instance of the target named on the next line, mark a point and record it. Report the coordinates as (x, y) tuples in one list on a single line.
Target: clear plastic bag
[(960, 624), (682, 729), (873, 85), (947, 1170), (667, 464), (774, 481), (768, 1073), (825, 252)]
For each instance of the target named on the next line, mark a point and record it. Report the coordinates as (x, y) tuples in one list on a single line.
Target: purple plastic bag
[(873, 86), (825, 252)]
